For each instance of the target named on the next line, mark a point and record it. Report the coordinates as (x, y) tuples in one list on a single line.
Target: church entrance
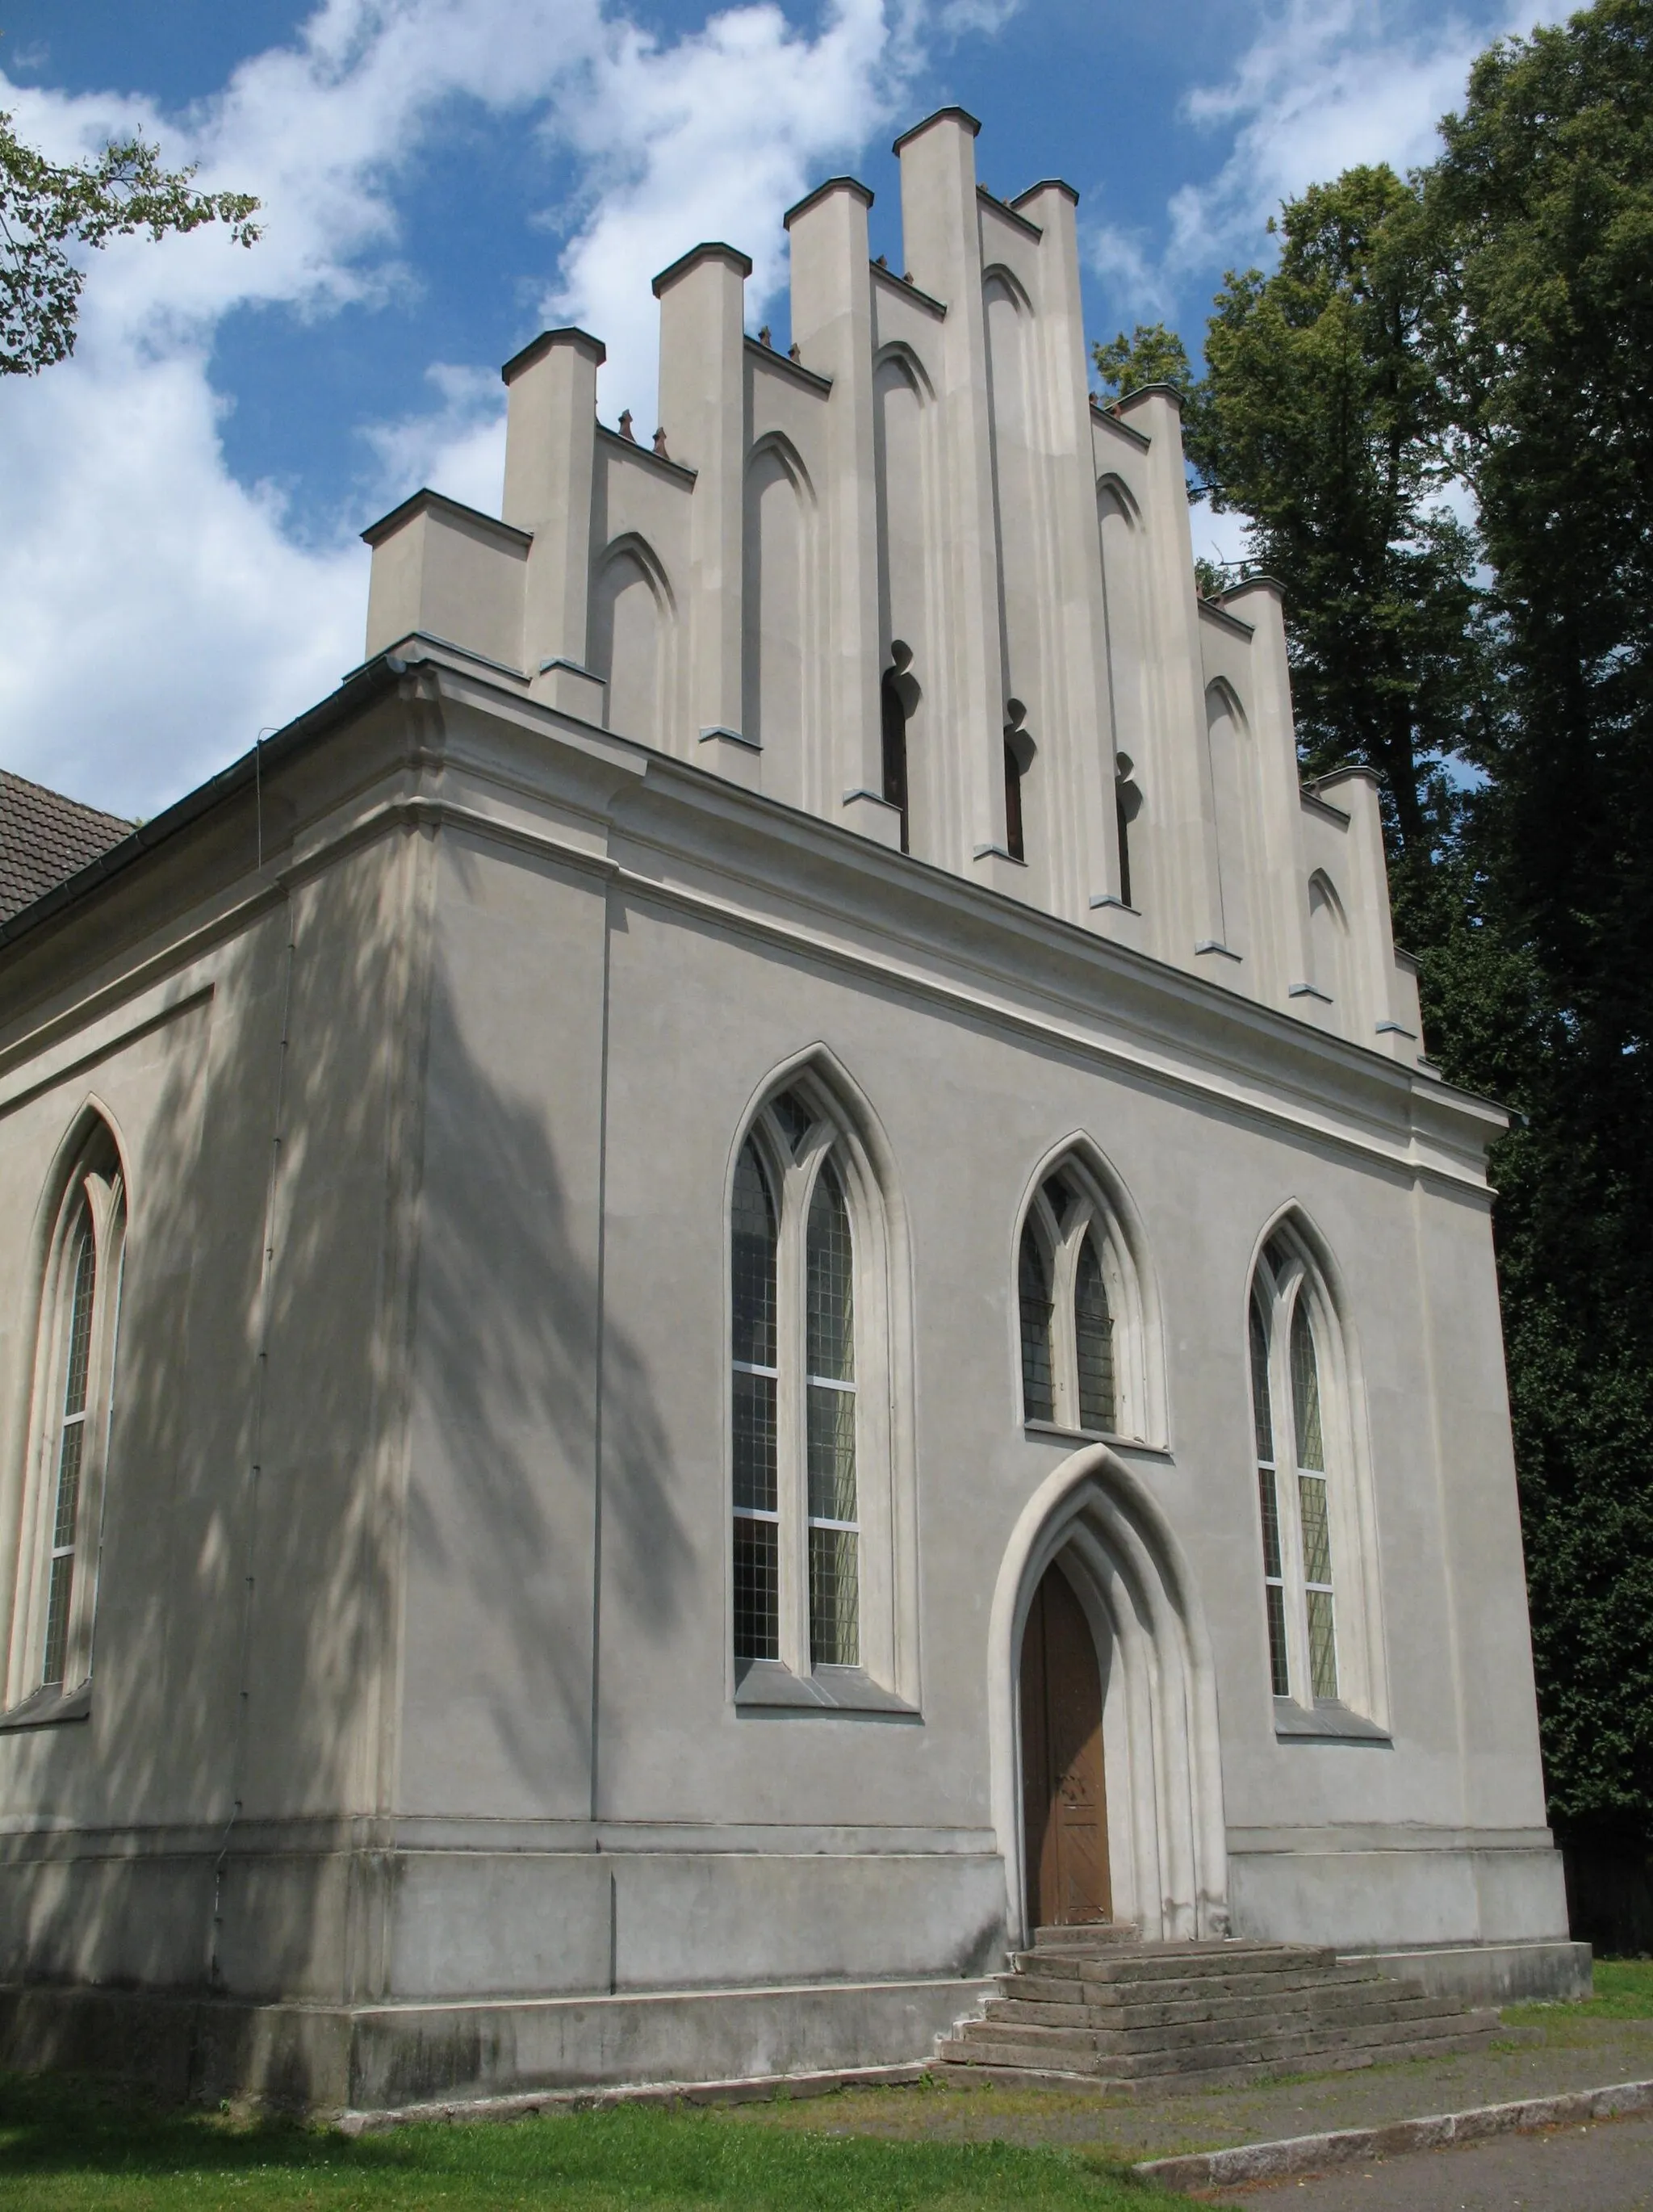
[(1064, 1794)]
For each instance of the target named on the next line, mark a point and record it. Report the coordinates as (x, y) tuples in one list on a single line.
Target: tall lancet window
[(755, 1383), (1318, 1595), (67, 1450), (813, 1589), (1074, 1285)]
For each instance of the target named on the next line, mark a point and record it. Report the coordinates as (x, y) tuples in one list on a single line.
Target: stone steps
[(1098, 2006)]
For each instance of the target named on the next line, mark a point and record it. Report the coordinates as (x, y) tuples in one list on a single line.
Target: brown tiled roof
[(44, 838)]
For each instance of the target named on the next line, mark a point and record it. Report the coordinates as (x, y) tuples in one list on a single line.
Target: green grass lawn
[(66, 2144), (1623, 1991)]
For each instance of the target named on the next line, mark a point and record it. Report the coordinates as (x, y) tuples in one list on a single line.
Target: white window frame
[(96, 1180), (887, 1654), (1287, 1277)]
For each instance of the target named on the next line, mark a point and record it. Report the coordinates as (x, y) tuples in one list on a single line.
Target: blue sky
[(178, 563)]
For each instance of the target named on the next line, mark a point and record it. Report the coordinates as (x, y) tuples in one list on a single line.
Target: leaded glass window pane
[(835, 1611), (1093, 1331), (1268, 1500), (1262, 1409), (1279, 1669), (831, 1454), (1317, 1583), (753, 1263), (758, 1589), (1316, 1537), (831, 1346), (1322, 1644), (1305, 1390), (794, 1117), (1033, 1288), (71, 1441), (829, 1381), (755, 1438)]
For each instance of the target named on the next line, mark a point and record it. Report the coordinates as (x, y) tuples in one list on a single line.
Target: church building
[(747, 1274)]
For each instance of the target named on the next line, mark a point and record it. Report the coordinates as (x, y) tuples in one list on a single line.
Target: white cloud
[(711, 137), (1325, 85), (158, 613), (459, 448)]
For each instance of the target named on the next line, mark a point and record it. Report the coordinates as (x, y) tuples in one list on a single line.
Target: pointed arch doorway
[(1064, 1782)]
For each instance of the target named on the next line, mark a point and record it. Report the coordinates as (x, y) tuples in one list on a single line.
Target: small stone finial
[(659, 445), (626, 430), (879, 261), (794, 351), (906, 276), (764, 339)]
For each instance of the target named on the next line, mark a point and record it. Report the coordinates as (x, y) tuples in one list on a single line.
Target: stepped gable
[(45, 838), (1099, 2006)]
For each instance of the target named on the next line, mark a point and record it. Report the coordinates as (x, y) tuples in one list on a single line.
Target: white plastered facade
[(423, 1047)]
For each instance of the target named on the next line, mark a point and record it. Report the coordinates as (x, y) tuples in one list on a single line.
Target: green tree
[(46, 208), (1542, 204), (1324, 421)]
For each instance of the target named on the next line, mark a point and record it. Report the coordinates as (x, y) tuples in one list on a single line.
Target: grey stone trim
[(1213, 610), (766, 1686), (1102, 411), (734, 737), (784, 365), (49, 1707), (937, 307), (1328, 1723), (1212, 944), (1011, 214), (645, 457), (1314, 991), (1271, 2162)]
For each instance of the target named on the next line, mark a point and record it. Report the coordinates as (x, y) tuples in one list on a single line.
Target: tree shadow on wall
[(247, 1622)]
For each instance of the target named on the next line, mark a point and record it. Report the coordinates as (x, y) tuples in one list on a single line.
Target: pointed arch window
[(813, 1572), (73, 1401), (1317, 1594), (1084, 1358)]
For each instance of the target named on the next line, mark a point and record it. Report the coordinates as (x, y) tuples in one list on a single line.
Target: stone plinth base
[(1489, 1974), (368, 2058)]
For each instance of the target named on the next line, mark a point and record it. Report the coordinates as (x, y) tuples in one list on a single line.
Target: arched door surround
[(1167, 1846)]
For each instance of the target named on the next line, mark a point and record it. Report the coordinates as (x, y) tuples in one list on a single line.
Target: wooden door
[(1064, 1795)]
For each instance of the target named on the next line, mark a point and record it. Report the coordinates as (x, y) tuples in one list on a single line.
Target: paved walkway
[(1569, 2053), (1607, 2167)]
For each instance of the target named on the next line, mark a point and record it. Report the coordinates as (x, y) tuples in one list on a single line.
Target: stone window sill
[(1328, 1722), (768, 1686), (50, 1707), (1056, 1433)]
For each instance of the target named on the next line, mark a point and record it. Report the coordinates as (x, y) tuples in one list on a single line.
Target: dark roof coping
[(1010, 214), (537, 349), (784, 365), (942, 115), (359, 689), (438, 502), (1046, 184), (1142, 391), (713, 250), (862, 192)]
